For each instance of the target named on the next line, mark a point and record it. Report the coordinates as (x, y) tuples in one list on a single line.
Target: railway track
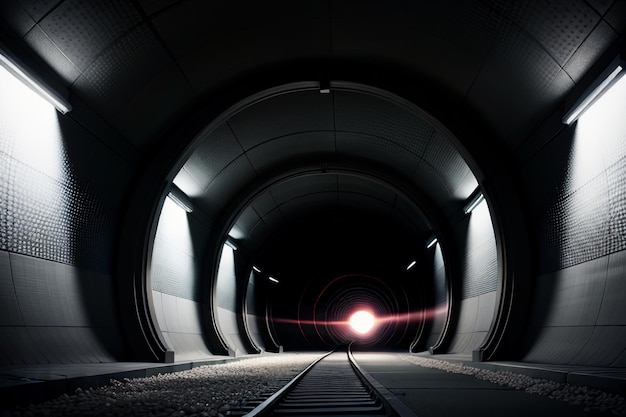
[(332, 386)]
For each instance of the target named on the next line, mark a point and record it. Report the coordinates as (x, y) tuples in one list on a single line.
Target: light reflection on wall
[(225, 302), (37, 187), (175, 278), (173, 270), (585, 220)]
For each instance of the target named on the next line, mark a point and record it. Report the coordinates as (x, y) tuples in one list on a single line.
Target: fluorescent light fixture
[(411, 265), (431, 242), (324, 90), (231, 243), (583, 104), (180, 198), (256, 269), (34, 83), (474, 201), (274, 280)]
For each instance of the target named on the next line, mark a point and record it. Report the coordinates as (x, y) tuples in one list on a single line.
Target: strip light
[(474, 202), (180, 198), (256, 269), (432, 242), (274, 280), (231, 244), (590, 98), (411, 265), (38, 86)]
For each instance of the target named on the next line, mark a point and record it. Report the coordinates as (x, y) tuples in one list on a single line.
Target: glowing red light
[(362, 322)]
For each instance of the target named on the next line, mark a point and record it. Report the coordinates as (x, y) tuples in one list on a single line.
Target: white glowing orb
[(362, 322)]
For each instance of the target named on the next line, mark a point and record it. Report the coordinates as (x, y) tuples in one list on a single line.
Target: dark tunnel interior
[(184, 180), (335, 264)]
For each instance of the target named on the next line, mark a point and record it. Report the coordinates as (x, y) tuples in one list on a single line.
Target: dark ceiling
[(141, 64)]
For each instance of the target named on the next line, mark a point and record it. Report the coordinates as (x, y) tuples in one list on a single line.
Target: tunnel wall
[(60, 199), (255, 313), (226, 303), (179, 243), (576, 193), (440, 307), (476, 239)]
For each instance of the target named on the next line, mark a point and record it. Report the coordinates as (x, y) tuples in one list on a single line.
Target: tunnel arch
[(502, 310)]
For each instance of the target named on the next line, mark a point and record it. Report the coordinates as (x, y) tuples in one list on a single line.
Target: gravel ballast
[(213, 390), (209, 390), (593, 400)]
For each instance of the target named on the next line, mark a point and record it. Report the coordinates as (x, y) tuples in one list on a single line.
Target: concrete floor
[(435, 393)]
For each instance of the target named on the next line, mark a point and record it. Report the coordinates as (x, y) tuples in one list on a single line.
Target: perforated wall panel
[(38, 8), (82, 29), (53, 204), (560, 37), (448, 163), (175, 267), (585, 217), (123, 68)]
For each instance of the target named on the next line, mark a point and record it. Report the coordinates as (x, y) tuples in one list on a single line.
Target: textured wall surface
[(175, 275), (60, 195), (226, 300), (578, 314), (439, 313), (255, 314), (479, 280)]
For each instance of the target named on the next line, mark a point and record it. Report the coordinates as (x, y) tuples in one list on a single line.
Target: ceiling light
[(474, 201), (180, 198), (411, 265), (256, 269), (231, 243), (604, 82), (431, 242), (34, 83), (274, 280)]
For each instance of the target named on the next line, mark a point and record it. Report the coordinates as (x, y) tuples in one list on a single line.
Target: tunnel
[(187, 180)]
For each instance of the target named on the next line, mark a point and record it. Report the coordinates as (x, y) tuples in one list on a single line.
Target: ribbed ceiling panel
[(374, 149), (213, 154), (319, 145), (304, 185), (362, 113), (354, 184), (447, 162), (287, 114)]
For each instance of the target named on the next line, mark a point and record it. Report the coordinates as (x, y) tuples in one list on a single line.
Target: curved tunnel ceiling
[(289, 155), (335, 193)]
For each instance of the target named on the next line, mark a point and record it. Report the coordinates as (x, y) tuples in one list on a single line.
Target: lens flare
[(362, 321)]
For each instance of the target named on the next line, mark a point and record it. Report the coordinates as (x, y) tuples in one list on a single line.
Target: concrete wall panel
[(613, 308), (580, 290), (10, 314)]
